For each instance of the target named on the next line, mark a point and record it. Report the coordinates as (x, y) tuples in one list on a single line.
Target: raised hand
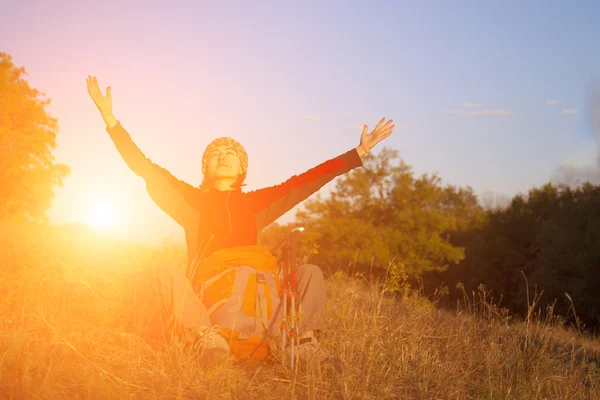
[(104, 103), (369, 140)]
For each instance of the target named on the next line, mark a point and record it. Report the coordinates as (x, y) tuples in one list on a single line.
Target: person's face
[(223, 163)]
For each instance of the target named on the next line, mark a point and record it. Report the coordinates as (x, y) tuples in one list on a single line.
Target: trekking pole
[(284, 320), (294, 239), (289, 289)]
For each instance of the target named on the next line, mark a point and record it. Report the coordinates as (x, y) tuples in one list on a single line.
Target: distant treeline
[(382, 217)]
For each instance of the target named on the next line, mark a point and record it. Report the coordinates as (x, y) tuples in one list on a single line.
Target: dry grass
[(61, 336)]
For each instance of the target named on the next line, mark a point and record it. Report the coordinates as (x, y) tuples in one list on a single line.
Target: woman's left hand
[(369, 140)]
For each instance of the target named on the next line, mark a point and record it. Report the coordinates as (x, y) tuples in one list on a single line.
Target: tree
[(493, 201), (382, 212), (28, 173), (551, 237)]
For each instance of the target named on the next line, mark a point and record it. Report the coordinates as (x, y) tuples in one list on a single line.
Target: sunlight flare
[(101, 215)]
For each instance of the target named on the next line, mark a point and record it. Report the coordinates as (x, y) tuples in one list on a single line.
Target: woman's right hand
[(104, 103)]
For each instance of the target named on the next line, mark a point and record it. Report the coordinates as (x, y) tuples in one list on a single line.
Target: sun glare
[(101, 215)]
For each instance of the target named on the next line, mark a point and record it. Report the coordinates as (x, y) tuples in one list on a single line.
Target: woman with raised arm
[(218, 215)]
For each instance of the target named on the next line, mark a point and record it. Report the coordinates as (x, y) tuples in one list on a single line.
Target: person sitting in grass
[(218, 215)]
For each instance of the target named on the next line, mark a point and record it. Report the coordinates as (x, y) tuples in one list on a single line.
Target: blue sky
[(467, 82)]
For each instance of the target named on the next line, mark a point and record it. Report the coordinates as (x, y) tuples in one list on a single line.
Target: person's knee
[(310, 272)]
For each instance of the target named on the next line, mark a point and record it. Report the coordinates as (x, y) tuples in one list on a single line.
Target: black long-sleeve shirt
[(214, 219)]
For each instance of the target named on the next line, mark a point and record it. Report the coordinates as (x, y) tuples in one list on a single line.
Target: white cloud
[(312, 118), (569, 112), (582, 166), (454, 112), (490, 113), (550, 102), (467, 104)]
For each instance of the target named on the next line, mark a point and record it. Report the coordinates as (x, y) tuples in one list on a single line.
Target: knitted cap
[(231, 143)]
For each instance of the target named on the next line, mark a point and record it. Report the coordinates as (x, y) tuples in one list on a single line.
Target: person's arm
[(272, 202), (168, 192)]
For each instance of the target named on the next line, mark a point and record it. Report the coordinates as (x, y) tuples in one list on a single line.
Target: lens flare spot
[(101, 215)]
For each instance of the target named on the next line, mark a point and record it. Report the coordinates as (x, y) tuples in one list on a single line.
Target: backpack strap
[(261, 303), (210, 281)]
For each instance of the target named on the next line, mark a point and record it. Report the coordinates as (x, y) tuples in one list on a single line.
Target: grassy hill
[(65, 333)]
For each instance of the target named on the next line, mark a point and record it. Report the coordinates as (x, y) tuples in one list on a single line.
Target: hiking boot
[(311, 353), (212, 346)]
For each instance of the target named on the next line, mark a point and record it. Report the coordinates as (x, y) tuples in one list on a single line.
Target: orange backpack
[(240, 288)]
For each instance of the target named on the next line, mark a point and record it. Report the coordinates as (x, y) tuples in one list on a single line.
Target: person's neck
[(223, 185)]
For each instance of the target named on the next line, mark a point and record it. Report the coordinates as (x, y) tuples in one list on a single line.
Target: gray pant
[(167, 303)]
